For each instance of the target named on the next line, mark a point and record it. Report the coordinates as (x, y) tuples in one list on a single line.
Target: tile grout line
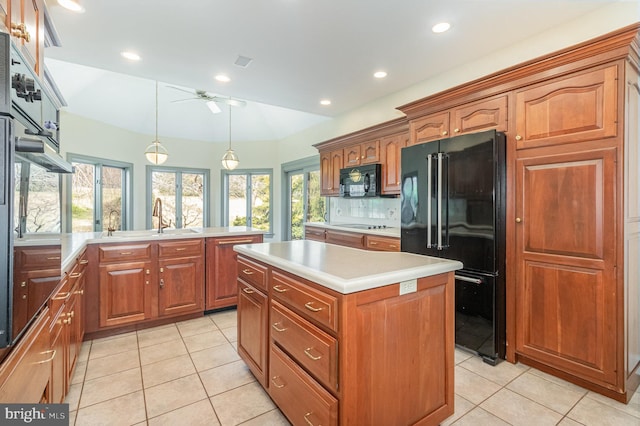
[(144, 394)]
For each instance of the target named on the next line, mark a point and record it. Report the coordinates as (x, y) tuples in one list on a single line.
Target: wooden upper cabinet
[(429, 128), (26, 24), (330, 164), (390, 156), (572, 109), (365, 153), (352, 156), (478, 116)]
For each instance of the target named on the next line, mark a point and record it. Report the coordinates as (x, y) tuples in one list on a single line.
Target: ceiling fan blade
[(183, 90), (184, 100)]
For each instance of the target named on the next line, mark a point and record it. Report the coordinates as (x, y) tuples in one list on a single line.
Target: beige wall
[(87, 137)]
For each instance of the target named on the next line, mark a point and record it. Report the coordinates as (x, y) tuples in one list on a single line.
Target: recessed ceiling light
[(325, 102), (441, 27), (72, 5), (380, 74), (222, 78), (132, 56)]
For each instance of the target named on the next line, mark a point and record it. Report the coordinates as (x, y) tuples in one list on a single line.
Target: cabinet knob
[(161, 283), (146, 282), (518, 220), (148, 272), (456, 130), (518, 137), (445, 133), (23, 284), (161, 270), (24, 297)]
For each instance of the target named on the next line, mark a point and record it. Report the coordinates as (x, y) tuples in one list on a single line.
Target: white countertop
[(343, 269), (386, 232), (74, 243)]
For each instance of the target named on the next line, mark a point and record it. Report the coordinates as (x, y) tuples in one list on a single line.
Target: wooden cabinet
[(390, 156), (571, 109), (378, 243), (352, 239), (253, 311), (349, 239), (24, 374), (222, 275), (314, 233), (365, 153), (26, 22), (429, 128), (330, 164), (181, 277), (315, 336)]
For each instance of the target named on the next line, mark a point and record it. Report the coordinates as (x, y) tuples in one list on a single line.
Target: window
[(303, 202), (37, 195), (247, 199), (184, 196), (100, 195)]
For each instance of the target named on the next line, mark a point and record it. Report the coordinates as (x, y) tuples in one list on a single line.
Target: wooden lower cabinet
[(222, 275), (348, 239), (181, 279), (125, 293), (253, 311), (350, 358), (314, 233), (377, 243)]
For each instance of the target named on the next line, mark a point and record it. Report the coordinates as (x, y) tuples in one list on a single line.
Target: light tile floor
[(189, 373)]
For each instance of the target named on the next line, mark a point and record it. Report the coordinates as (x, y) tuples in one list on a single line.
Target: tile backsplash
[(366, 211)]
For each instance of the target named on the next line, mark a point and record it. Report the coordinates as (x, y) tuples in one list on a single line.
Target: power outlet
[(410, 286)]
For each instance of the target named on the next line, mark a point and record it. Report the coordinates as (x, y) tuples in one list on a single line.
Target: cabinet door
[(181, 285), (330, 164), (222, 273), (370, 152), (57, 382), (390, 148), (71, 331), (352, 156), (125, 293), (429, 128), (566, 293), (33, 45), (478, 116), (578, 108), (252, 329)]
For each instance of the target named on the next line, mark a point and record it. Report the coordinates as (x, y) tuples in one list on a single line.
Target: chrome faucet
[(157, 212), (111, 228)]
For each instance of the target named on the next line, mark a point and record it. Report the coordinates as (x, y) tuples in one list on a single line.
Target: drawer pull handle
[(393, 246), (53, 258), (75, 275), (307, 352), (124, 253), (279, 289), (61, 296), (248, 291), (279, 386), (307, 420), (80, 292), (53, 355), (225, 243), (373, 243), (181, 249), (247, 271), (276, 328), (84, 261), (309, 306)]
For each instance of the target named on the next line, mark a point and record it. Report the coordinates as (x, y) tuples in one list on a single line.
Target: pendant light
[(230, 159), (156, 153), (72, 5)]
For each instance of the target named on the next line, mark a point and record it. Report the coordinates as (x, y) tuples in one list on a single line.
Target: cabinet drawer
[(252, 272), (181, 248), (300, 398), (316, 234), (60, 295), (119, 253), (312, 348), (38, 258), (316, 306), (382, 243), (348, 239)]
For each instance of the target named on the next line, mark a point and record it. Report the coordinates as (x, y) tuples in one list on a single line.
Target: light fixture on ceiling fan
[(211, 101), (72, 5), (156, 153), (230, 160)]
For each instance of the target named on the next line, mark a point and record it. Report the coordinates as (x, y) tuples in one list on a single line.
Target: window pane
[(163, 186), (43, 204), (260, 202), (192, 200), (315, 202), (296, 201), (83, 198), (237, 200), (112, 178)]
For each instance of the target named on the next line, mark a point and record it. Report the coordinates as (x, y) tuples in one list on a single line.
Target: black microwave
[(360, 181)]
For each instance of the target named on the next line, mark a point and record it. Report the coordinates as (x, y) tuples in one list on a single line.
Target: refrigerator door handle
[(439, 203), (469, 280), (429, 182)]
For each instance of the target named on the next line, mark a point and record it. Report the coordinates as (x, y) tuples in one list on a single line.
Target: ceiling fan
[(212, 101)]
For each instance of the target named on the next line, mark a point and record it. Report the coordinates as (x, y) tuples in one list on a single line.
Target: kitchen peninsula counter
[(343, 336)]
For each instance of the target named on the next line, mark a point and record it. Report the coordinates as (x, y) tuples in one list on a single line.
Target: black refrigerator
[(453, 206)]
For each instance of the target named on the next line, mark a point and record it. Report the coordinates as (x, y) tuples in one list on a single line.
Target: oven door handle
[(468, 279)]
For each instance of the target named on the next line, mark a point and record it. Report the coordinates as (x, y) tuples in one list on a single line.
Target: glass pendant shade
[(156, 153), (72, 5), (230, 160)]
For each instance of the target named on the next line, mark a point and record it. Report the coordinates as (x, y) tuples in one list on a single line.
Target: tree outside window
[(248, 199)]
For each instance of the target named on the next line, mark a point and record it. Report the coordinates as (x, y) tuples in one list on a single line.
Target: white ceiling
[(302, 50)]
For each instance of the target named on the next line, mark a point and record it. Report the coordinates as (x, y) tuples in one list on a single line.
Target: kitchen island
[(338, 335)]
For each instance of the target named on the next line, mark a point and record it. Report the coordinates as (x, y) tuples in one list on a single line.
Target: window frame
[(206, 210), (304, 166), (224, 179), (126, 219)]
